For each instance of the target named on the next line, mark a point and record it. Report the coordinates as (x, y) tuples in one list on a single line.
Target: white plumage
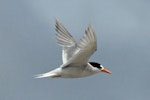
[(75, 55)]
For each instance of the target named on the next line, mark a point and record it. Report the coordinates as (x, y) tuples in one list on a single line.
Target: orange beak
[(106, 71)]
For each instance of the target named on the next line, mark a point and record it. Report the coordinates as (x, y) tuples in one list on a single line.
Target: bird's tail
[(44, 75), (40, 76), (49, 74)]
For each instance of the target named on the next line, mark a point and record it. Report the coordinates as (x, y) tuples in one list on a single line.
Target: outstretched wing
[(65, 39), (87, 46)]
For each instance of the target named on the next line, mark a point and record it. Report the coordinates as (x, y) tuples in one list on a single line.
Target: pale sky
[(28, 47)]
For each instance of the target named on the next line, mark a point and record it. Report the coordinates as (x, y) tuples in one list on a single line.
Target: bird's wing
[(65, 39), (87, 46)]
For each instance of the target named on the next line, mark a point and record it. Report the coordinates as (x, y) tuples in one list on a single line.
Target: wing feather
[(87, 46), (65, 39)]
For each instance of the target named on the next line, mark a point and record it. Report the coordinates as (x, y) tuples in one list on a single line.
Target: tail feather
[(50, 75), (40, 76)]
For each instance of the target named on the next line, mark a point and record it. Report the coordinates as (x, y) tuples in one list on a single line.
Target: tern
[(75, 55)]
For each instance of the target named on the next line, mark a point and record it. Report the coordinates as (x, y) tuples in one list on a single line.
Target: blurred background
[(28, 47)]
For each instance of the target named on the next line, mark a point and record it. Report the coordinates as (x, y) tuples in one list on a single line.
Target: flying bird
[(75, 55)]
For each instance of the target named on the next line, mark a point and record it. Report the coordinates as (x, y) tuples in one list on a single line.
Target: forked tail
[(49, 74)]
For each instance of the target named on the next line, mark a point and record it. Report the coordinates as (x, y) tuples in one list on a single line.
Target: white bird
[(75, 55)]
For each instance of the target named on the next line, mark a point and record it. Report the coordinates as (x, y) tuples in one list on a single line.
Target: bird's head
[(100, 67)]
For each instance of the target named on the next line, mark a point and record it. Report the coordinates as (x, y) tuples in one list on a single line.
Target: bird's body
[(75, 55), (71, 72)]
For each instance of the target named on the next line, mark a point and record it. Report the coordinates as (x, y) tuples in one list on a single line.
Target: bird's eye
[(101, 67), (97, 65)]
